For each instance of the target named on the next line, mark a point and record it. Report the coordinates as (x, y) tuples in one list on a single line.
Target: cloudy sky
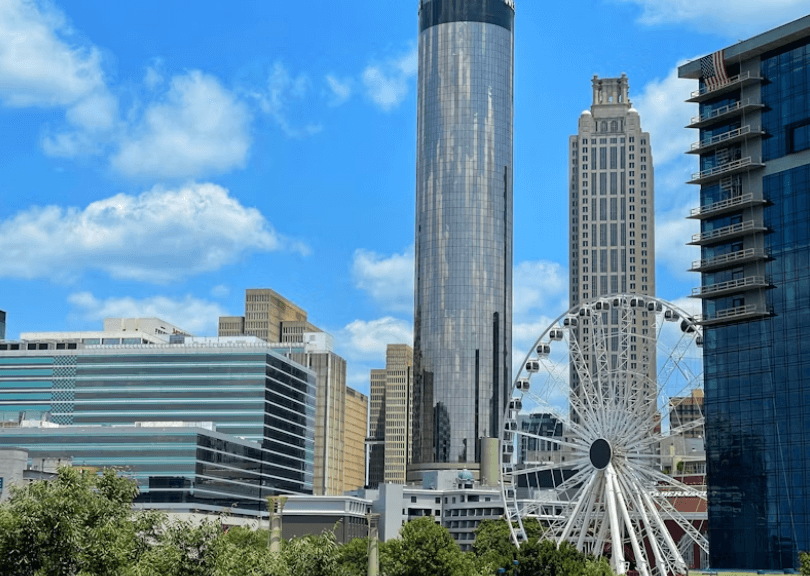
[(159, 157)]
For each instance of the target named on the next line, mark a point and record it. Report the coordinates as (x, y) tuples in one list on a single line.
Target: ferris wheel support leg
[(680, 565), (641, 558), (616, 539), (586, 523)]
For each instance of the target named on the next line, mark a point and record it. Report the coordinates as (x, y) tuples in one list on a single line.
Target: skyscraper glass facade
[(463, 246), (755, 264), (250, 393)]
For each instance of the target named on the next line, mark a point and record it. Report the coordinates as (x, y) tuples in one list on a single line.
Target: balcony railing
[(722, 205), (729, 314), (718, 112), (728, 167), (720, 138), (728, 286), (732, 82), (730, 258), (733, 229)]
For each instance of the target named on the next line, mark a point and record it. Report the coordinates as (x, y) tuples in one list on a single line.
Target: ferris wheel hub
[(601, 453)]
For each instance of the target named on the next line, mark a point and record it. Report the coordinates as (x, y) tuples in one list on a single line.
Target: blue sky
[(158, 158)]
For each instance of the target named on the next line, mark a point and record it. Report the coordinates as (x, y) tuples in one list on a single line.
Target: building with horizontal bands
[(753, 146)]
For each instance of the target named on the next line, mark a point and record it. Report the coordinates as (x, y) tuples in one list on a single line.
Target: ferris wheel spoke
[(632, 491)]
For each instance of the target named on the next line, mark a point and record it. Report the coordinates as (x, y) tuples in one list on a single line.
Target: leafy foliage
[(424, 549), (804, 558), (82, 524)]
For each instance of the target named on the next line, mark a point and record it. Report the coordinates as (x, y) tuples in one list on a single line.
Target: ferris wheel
[(602, 441)]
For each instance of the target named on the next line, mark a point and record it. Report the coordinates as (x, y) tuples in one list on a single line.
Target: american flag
[(713, 70)]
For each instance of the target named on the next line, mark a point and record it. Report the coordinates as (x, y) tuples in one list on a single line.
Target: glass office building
[(463, 232), (250, 393), (2, 325), (754, 150)]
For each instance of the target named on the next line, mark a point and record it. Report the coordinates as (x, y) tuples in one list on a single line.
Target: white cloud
[(158, 236), (664, 114), (541, 286), (199, 317), (283, 92), (368, 339), (387, 84), (388, 280), (200, 127), (672, 232), (341, 89), (39, 65), (220, 291), (742, 19)]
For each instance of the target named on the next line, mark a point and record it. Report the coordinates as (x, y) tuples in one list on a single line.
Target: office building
[(277, 320), (245, 391), (390, 430), (463, 232), (265, 313), (2, 325), (611, 193), (179, 467), (754, 152), (611, 196), (686, 413), (354, 438), (376, 429)]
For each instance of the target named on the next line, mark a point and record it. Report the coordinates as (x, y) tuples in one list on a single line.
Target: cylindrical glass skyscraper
[(463, 247)]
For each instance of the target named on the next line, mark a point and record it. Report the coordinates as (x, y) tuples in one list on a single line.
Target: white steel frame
[(612, 377)]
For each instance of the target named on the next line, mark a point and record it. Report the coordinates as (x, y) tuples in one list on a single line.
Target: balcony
[(715, 290), (734, 83), (725, 139), (727, 169), (727, 233), (728, 205), (726, 112), (732, 258), (731, 315)]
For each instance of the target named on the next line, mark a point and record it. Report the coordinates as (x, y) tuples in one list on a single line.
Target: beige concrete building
[(611, 197), (612, 230), (391, 417), (265, 312), (354, 437)]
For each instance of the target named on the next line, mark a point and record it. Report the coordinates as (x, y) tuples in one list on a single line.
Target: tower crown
[(611, 91)]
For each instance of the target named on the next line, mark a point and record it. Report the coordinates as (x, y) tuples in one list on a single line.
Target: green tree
[(424, 549), (76, 524), (312, 555), (354, 557), (494, 548), (804, 558)]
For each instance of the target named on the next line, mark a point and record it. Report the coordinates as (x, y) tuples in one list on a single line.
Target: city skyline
[(291, 144)]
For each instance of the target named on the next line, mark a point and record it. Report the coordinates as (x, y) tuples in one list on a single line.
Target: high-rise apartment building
[(463, 232), (611, 193), (391, 417), (754, 213)]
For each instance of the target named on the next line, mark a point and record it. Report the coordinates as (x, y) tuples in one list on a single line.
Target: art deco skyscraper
[(611, 198), (463, 280), (611, 193)]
